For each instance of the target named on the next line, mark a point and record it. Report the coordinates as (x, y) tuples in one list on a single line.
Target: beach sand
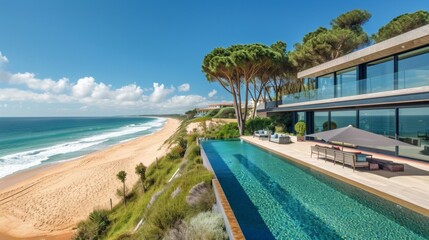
[(48, 202)]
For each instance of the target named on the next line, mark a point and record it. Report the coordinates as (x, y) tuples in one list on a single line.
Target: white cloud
[(212, 93), (89, 96), (159, 92), (29, 80), (84, 87), (184, 87), (3, 59)]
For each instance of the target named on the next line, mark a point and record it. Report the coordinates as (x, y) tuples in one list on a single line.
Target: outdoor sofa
[(355, 160), (261, 134), (280, 138)]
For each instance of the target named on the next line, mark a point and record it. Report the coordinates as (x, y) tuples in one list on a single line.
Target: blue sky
[(83, 57)]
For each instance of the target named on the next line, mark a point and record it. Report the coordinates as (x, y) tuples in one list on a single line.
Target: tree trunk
[(124, 195), (143, 188)]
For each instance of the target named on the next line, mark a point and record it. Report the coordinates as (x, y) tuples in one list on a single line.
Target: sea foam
[(22, 160)]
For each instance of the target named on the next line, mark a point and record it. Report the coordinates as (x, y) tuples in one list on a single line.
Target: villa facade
[(383, 88)]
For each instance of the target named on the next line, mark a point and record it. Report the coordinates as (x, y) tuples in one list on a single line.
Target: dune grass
[(170, 208)]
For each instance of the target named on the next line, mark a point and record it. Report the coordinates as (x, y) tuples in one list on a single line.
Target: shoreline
[(23, 174), (39, 202)]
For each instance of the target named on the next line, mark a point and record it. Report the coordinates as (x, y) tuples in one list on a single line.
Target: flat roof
[(406, 41)]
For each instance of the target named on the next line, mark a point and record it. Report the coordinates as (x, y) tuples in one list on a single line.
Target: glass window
[(325, 86), (380, 121), (320, 121), (380, 76), (414, 129), (346, 82), (300, 116), (413, 68), (341, 119)]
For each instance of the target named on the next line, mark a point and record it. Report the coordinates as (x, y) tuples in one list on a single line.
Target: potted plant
[(300, 130)]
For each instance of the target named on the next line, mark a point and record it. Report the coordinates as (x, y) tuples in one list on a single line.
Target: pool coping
[(404, 203), (231, 224)]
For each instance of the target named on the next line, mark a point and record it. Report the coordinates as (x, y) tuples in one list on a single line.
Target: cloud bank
[(87, 92)]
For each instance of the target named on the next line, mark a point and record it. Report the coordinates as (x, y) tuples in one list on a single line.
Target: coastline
[(40, 202)]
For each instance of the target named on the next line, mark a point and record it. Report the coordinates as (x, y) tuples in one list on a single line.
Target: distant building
[(203, 111)]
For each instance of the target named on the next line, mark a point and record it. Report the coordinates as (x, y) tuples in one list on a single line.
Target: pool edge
[(231, 224), (404, 203)]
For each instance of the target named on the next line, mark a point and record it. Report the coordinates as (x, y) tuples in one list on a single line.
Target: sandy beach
[(47, 202)]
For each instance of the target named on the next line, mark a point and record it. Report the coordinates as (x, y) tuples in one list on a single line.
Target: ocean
[(29, 142)]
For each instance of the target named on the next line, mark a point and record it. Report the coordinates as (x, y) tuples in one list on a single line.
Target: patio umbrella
[(358, 137)]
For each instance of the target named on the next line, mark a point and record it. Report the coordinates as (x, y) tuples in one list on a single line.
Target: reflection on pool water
[(273, 198)]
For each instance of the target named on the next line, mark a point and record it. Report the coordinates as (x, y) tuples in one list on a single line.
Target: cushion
[(265, 132), (261, 131), (360, 158), (336, 147)]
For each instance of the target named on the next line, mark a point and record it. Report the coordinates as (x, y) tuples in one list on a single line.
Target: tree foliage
[(322, 45), (141, 171), (401, 24), (241, 69), (122, 176)]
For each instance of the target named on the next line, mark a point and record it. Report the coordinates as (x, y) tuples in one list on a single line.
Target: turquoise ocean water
[(29, 142)]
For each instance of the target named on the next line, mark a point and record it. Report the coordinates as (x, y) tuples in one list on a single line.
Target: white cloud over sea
[(87, 93)]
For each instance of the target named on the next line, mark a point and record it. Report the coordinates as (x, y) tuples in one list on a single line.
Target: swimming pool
[(273, 198)]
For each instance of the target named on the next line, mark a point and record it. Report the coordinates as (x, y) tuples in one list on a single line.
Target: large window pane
[(300, 116), (380, 76), (413, 69), (325, 86), (346, 82), (341, 119), (380, 121), (414, 129), (320, 121)]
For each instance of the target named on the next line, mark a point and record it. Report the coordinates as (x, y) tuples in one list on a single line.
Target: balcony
[(408, 79)]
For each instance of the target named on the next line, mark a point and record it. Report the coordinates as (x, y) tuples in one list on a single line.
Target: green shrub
[(326, 128), (94, 227), (300, 128), (279, 129), (207, 225), (212, 113), (227, 131), (227, 112), (258, 124)]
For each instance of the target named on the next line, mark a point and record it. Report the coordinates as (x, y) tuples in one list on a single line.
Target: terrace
[(408, 188)]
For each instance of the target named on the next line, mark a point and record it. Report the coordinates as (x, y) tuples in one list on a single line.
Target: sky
[(105, 57)]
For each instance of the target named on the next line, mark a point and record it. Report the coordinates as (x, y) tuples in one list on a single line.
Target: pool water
[(274, 198)]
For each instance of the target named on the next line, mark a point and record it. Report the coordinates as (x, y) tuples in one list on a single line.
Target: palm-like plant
[(141, 171), (122, 176)]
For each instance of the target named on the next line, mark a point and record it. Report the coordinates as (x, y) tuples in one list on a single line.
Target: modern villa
[(383, 88)]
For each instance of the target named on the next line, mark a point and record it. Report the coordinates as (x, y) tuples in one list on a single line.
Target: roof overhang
[(406, 41)]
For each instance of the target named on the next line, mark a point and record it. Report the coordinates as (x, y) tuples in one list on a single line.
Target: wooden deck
[(409, 188)]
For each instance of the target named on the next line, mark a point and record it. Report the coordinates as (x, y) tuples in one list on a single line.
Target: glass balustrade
[(409, 78)]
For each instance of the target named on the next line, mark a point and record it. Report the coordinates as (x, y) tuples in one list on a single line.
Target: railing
[(405, 79)]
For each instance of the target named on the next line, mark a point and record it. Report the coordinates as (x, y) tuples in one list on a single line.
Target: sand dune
[(48, 202)]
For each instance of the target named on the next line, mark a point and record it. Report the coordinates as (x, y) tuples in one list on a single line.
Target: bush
[(212, 113), (94, 227), (258, 124), (228, 112), (300, 128), (227, 131), (205, 225)]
